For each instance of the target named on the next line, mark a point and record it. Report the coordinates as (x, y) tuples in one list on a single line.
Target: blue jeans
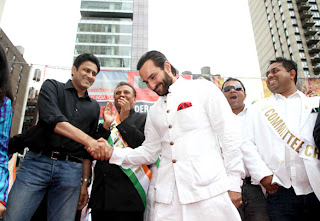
[(254, 207), (37, 175), (285, 205)]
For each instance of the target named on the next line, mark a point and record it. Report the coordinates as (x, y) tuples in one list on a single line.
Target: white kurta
[(191, 158)]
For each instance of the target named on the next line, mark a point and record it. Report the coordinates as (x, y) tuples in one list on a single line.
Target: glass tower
[(113, 30)]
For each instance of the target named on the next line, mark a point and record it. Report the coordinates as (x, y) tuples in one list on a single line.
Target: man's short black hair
[(122, 83), (288, 64), (86, 57), (234, 79), (158, 59)]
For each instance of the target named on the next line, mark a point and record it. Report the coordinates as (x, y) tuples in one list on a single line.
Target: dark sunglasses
[(235, 87)]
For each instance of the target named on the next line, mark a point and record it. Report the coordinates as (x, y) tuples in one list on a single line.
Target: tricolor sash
[(139, 175), (303, 148)]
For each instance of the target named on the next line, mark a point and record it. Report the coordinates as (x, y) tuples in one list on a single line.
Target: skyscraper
[(287, 28), (116, 31)]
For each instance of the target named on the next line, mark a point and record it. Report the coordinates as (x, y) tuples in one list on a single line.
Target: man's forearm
[(86, 172), (68, 130)]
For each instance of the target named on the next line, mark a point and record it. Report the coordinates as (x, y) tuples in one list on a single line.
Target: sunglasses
[(235, 87)]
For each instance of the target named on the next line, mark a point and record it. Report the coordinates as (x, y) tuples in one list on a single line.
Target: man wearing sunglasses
[(280, 132), (254, 207)]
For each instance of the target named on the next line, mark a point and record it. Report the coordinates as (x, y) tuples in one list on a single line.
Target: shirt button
[(174, 161), (170, 126), (165, 101), (171, 143), (168, 111), (76, 109)]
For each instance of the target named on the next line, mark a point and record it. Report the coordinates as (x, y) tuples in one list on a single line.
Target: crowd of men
[(209, 156)]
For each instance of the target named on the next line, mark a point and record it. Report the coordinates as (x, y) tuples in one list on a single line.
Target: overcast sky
[(192, 34)]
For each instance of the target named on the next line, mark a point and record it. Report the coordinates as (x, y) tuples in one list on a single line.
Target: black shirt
[(59, 102)]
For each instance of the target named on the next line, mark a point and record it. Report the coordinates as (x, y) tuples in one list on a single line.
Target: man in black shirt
[(114, 196), (68, 118)]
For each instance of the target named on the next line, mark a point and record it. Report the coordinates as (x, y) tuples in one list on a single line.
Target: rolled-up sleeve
[(49, 111)]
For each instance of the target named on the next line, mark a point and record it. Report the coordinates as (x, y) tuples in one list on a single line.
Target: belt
[(55, 155), (247, 180)]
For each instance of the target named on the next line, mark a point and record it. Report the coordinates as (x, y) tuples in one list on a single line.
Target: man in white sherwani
[(196, 180)]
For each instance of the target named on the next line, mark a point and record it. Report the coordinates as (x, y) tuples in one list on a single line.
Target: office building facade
[(116, 31), (287, 28), (19, 71)]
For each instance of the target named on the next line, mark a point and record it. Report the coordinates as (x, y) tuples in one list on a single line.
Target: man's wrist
[(85, 180)]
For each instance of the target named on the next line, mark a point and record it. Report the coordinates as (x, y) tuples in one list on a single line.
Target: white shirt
[(191, 158), (242, 119), (290, 108), (274, 157)]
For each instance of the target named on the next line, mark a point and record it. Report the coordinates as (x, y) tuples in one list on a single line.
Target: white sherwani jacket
[(264, 151), (191, 157)]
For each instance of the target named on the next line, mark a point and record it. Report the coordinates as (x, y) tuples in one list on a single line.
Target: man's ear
[(292, 74), (167, 67), (73, 70)]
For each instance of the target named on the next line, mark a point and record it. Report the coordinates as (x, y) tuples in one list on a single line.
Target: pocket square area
[(184, 105)]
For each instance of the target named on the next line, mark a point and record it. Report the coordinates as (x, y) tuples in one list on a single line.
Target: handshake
[(100, 149)]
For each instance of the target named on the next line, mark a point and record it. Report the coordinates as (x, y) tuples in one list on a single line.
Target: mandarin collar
[(176, 84)]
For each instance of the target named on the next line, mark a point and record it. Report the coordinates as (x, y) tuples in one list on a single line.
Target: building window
[(300, 47), (292, 13), (11, 69), (314, 7), (298, 37), (21, 68), (304, 64), (14, 58), (302, 55), (293, 21), (290, 6), (17, 88), (306, 73), (7, 50), (19, 78), (316, 15)]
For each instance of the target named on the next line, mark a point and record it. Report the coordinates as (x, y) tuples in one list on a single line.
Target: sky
[(191, 34)]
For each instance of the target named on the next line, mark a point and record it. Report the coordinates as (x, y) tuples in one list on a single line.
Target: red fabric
[(184, 105)]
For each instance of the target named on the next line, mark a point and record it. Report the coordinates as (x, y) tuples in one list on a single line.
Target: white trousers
[(216, 208)]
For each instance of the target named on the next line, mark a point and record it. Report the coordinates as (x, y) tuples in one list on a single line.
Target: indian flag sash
[(303, 148), (140, 176)]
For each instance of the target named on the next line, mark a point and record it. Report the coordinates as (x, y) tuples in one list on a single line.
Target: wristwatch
[(86, 180)]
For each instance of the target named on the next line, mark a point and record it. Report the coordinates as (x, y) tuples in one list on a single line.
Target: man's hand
[(108, 149), (108, 116), (100, 149), (125, 108), (2, 209), (97, 149), (84, 197), (236, 198), (266, 183)]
